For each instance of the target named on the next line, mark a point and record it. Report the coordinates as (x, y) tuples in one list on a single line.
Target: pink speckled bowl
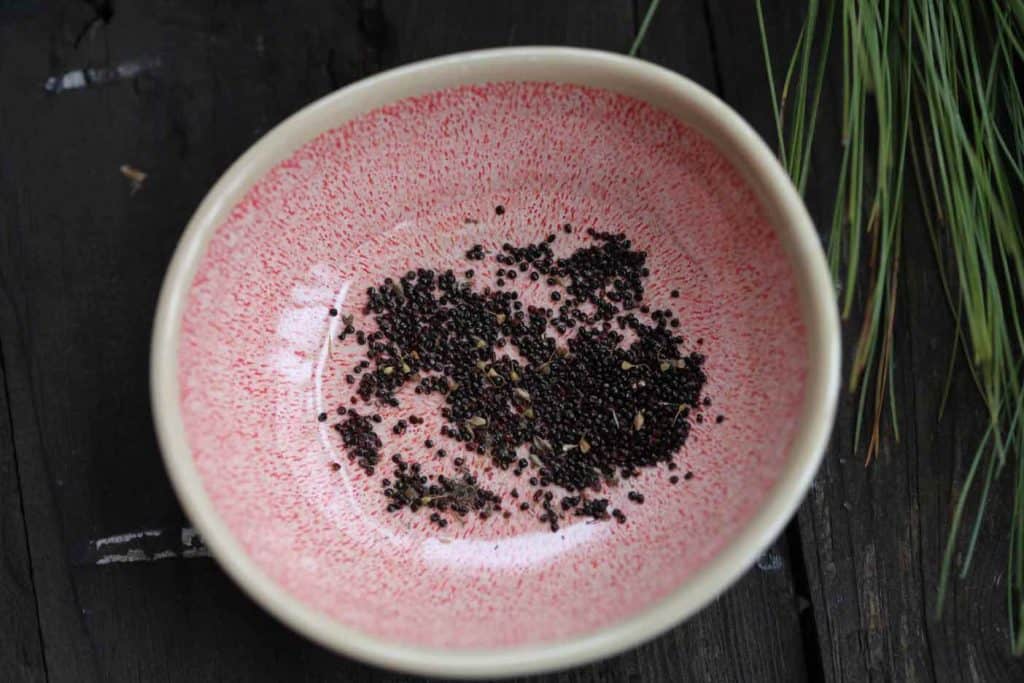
[(383, 175)]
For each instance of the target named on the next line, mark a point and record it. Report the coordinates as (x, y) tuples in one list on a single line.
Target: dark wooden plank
[(85, 257), (873, 537), (21, 651), (680, 38), (57, 608), (422, 29), (84, 260)]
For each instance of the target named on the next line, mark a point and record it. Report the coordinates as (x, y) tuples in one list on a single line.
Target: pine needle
[(916, 77), (644, 25)]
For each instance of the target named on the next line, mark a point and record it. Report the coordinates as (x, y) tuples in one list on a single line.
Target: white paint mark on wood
[(189, 537), (771, 561), (124, 538), (133, 555), (149, 545), (91, 76)]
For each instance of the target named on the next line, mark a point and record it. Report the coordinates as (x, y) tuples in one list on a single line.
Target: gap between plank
[(805, 613), (21, 509), (713, 44)]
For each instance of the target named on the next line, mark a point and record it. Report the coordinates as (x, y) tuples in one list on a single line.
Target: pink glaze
[(393, 190)]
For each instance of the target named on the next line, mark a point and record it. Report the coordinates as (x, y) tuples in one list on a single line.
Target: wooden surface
[(846, 594)]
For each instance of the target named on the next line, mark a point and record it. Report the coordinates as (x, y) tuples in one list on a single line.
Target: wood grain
[(21, 652)]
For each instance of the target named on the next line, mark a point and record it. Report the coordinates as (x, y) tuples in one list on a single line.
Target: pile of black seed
[(460, 495), (578, 395)]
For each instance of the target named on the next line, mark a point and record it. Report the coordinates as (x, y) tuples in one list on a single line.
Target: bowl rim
[(635, 77)]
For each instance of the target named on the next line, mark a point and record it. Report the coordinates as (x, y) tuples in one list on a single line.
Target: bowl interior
[(415, 184)]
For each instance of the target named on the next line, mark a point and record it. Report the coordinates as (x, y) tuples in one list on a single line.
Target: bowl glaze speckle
[(402, 171)]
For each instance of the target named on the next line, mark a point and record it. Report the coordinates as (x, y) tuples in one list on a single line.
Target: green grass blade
[(644, 25)]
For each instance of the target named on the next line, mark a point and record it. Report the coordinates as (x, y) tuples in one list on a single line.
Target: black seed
[(574, 405), (499, 209)]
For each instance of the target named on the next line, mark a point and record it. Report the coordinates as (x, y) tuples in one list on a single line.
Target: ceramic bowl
[(405, 169)]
